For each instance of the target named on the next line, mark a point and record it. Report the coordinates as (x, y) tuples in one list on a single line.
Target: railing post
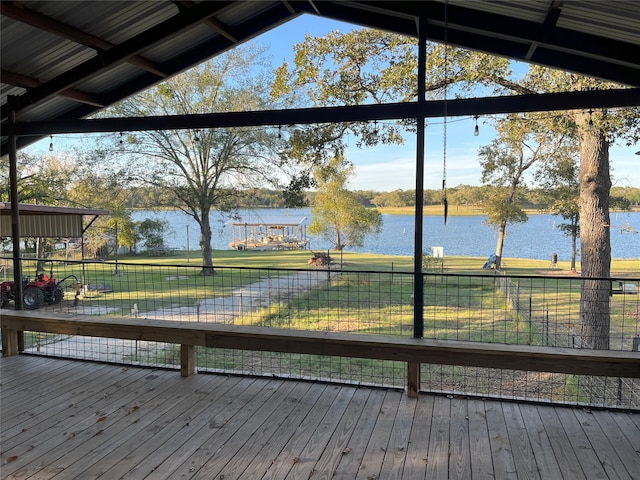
[(413, 380), (9, 342), (187, 360)]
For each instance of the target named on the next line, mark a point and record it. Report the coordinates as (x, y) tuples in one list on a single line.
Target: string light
[(196, 138), (476, 129), (51, 144), (590, 124)]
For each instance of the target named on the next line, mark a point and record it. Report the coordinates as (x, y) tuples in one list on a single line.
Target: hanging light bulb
[(51, 144), (280, 131), (196, 138), (476, 129), (590, 124), (121, 143)]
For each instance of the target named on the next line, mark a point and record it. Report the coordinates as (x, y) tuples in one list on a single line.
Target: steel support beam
[(418, 280), (357, 113)]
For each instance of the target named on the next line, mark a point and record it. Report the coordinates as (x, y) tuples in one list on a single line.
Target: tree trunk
[(500, 242), (574, 250), (595, 184), (205, 243)]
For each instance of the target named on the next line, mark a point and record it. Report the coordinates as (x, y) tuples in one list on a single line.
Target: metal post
[(15, 210), (13, 340), (413, 369), (418, 288)]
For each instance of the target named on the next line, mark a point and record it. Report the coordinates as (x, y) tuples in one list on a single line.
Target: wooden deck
[(67, 419)]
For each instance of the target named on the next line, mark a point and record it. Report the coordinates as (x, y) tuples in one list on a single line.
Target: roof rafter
[(549, 23), (24, 81), (215, 24)]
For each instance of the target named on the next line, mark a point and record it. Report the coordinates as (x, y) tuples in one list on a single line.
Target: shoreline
[(461, 211)]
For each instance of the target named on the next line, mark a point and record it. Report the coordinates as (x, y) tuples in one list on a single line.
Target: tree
[(42, 179), (561, 194), (337, 214), (364, 66), (207, 169), (594, 130), (517, 147), (95, 186), (151, 233)]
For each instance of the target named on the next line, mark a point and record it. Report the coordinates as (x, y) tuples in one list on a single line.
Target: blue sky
[(387, 168)]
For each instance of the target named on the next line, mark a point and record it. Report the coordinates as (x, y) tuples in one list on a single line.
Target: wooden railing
[(382, 347)]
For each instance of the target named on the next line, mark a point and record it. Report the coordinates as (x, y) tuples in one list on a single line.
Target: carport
[(43, 221)]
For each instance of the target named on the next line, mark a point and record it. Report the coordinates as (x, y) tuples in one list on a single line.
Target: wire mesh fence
[(543, 311)]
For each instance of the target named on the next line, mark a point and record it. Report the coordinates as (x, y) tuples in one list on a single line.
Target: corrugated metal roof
[(64, 59), (616, 20), (33, 209), (46, 221)]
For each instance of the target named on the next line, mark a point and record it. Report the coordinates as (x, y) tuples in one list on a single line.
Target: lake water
[(462, 236)]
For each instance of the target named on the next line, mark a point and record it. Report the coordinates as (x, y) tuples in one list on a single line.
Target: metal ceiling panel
[(119, 21), (615, 20), (182, 43), (530, 10), (39, 54)]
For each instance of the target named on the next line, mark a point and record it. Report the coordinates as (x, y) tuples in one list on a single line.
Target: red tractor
[(43, 290)]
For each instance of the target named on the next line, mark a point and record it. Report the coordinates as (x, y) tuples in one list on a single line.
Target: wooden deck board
[(304, 466), (212, 449), (460, 449), (338, 445), (560, 444), (545, 458), (501, 454), (263, 459), (623, 446), (396, 454), (415, 465), (438, 448), (151, 442), (184, 440), (378, 441), (520, 445), (124, 422), (479, 442), (606, 452), (34, 423), (580, 445), (351, 460)]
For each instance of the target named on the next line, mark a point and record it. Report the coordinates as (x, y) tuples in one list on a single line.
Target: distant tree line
[(149, 198)]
